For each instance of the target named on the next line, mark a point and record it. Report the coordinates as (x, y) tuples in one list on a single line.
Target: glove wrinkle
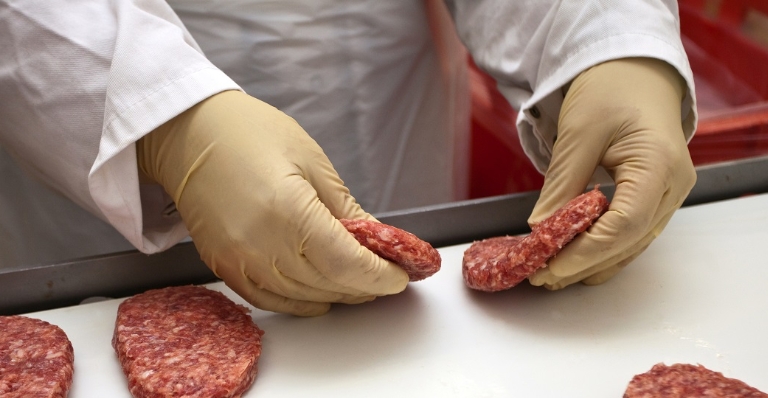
[(179, 191)]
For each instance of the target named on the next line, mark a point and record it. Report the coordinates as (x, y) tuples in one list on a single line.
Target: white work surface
[(697, 295)]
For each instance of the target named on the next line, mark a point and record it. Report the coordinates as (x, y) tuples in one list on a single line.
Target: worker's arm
[(261, 202)]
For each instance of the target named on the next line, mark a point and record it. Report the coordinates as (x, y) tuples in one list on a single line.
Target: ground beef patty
[(186, 341), (687, 381), (502, 262), (36, 359), (417, 257)]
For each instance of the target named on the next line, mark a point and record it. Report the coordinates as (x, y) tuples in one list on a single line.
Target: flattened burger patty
[(501, 263), (186, 341), (36, 359), (687, 381), (417, 257)]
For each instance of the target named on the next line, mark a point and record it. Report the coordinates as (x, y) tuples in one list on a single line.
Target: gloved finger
[(340, 258), (314, 166), (569, 172), (608, 273), (600, 273), (330, 189), (268, 301), (593, 276), (596, 275), (270, 278), (306, 273), (335, 253)]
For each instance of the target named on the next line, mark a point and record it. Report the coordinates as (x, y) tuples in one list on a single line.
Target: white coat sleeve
[(81, 83), (535, 47)]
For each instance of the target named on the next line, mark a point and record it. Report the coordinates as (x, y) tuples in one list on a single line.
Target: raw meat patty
[(417, 257), (501, 263), (36, 359), (186, 341), (687, 381)]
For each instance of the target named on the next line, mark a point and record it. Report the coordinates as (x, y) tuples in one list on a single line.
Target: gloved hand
[(261, 201), (625, 116)]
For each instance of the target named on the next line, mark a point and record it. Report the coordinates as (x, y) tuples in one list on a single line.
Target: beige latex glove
[(625, 116), (261, 202)]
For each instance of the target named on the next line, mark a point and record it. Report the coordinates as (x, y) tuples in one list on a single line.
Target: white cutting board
[(697, 295)]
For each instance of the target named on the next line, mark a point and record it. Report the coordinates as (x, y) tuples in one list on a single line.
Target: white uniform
[(380, 85)]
